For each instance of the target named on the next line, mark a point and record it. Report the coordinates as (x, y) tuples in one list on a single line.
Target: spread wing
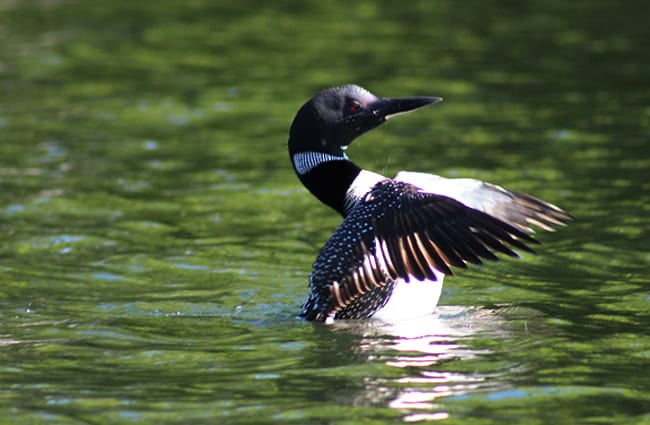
[(516, 208), (398, 231)]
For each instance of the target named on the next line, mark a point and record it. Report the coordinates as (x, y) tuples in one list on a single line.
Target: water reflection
[(421, 348)]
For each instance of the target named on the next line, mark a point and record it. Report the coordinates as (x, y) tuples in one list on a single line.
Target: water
[(156, 244)]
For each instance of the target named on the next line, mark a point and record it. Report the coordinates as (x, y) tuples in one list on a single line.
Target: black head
[(333, 118)]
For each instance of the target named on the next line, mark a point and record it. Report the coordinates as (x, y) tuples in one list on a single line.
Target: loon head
[(334, 117), (325, 126)]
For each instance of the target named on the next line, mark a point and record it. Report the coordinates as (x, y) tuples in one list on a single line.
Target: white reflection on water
[(430, 339), (418, 346)]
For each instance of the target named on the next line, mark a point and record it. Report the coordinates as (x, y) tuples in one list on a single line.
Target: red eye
[(354, 106)]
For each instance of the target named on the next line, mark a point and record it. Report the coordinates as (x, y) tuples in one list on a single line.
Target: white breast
[(413, 299)]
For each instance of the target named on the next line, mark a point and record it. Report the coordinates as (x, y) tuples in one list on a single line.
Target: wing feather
[(516, 208), (400, 232)]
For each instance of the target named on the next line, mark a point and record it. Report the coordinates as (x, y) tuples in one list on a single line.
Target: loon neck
[(329, 181)]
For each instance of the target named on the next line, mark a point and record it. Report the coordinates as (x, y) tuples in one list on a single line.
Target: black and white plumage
[(400, 236)]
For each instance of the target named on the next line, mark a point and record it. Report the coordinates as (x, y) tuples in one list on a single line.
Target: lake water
[(156, 244)]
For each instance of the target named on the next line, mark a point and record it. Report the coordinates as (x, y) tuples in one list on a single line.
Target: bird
[(399, 236)]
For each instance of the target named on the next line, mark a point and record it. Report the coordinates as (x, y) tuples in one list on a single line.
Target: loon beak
[(388, 108)]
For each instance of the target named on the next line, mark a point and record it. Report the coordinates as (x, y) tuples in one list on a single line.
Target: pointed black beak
[(388, 108)]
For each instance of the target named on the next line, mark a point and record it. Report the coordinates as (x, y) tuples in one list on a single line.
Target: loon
[(401, 236)]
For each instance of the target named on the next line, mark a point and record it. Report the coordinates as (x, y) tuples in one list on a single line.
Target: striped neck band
[(307, 161)]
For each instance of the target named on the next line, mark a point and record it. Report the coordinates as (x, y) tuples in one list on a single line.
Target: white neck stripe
[(307, 161)]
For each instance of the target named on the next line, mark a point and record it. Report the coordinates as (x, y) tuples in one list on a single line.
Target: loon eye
[(354, 106)]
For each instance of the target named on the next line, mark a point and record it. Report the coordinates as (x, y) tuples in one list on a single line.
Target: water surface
[(156, 244)]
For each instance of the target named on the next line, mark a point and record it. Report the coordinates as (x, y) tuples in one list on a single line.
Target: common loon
[(399, 236)]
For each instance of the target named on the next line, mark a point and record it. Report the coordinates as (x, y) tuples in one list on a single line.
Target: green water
[(156, 244)]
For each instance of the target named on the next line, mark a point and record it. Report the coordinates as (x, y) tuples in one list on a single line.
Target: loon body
[(399, 237)]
